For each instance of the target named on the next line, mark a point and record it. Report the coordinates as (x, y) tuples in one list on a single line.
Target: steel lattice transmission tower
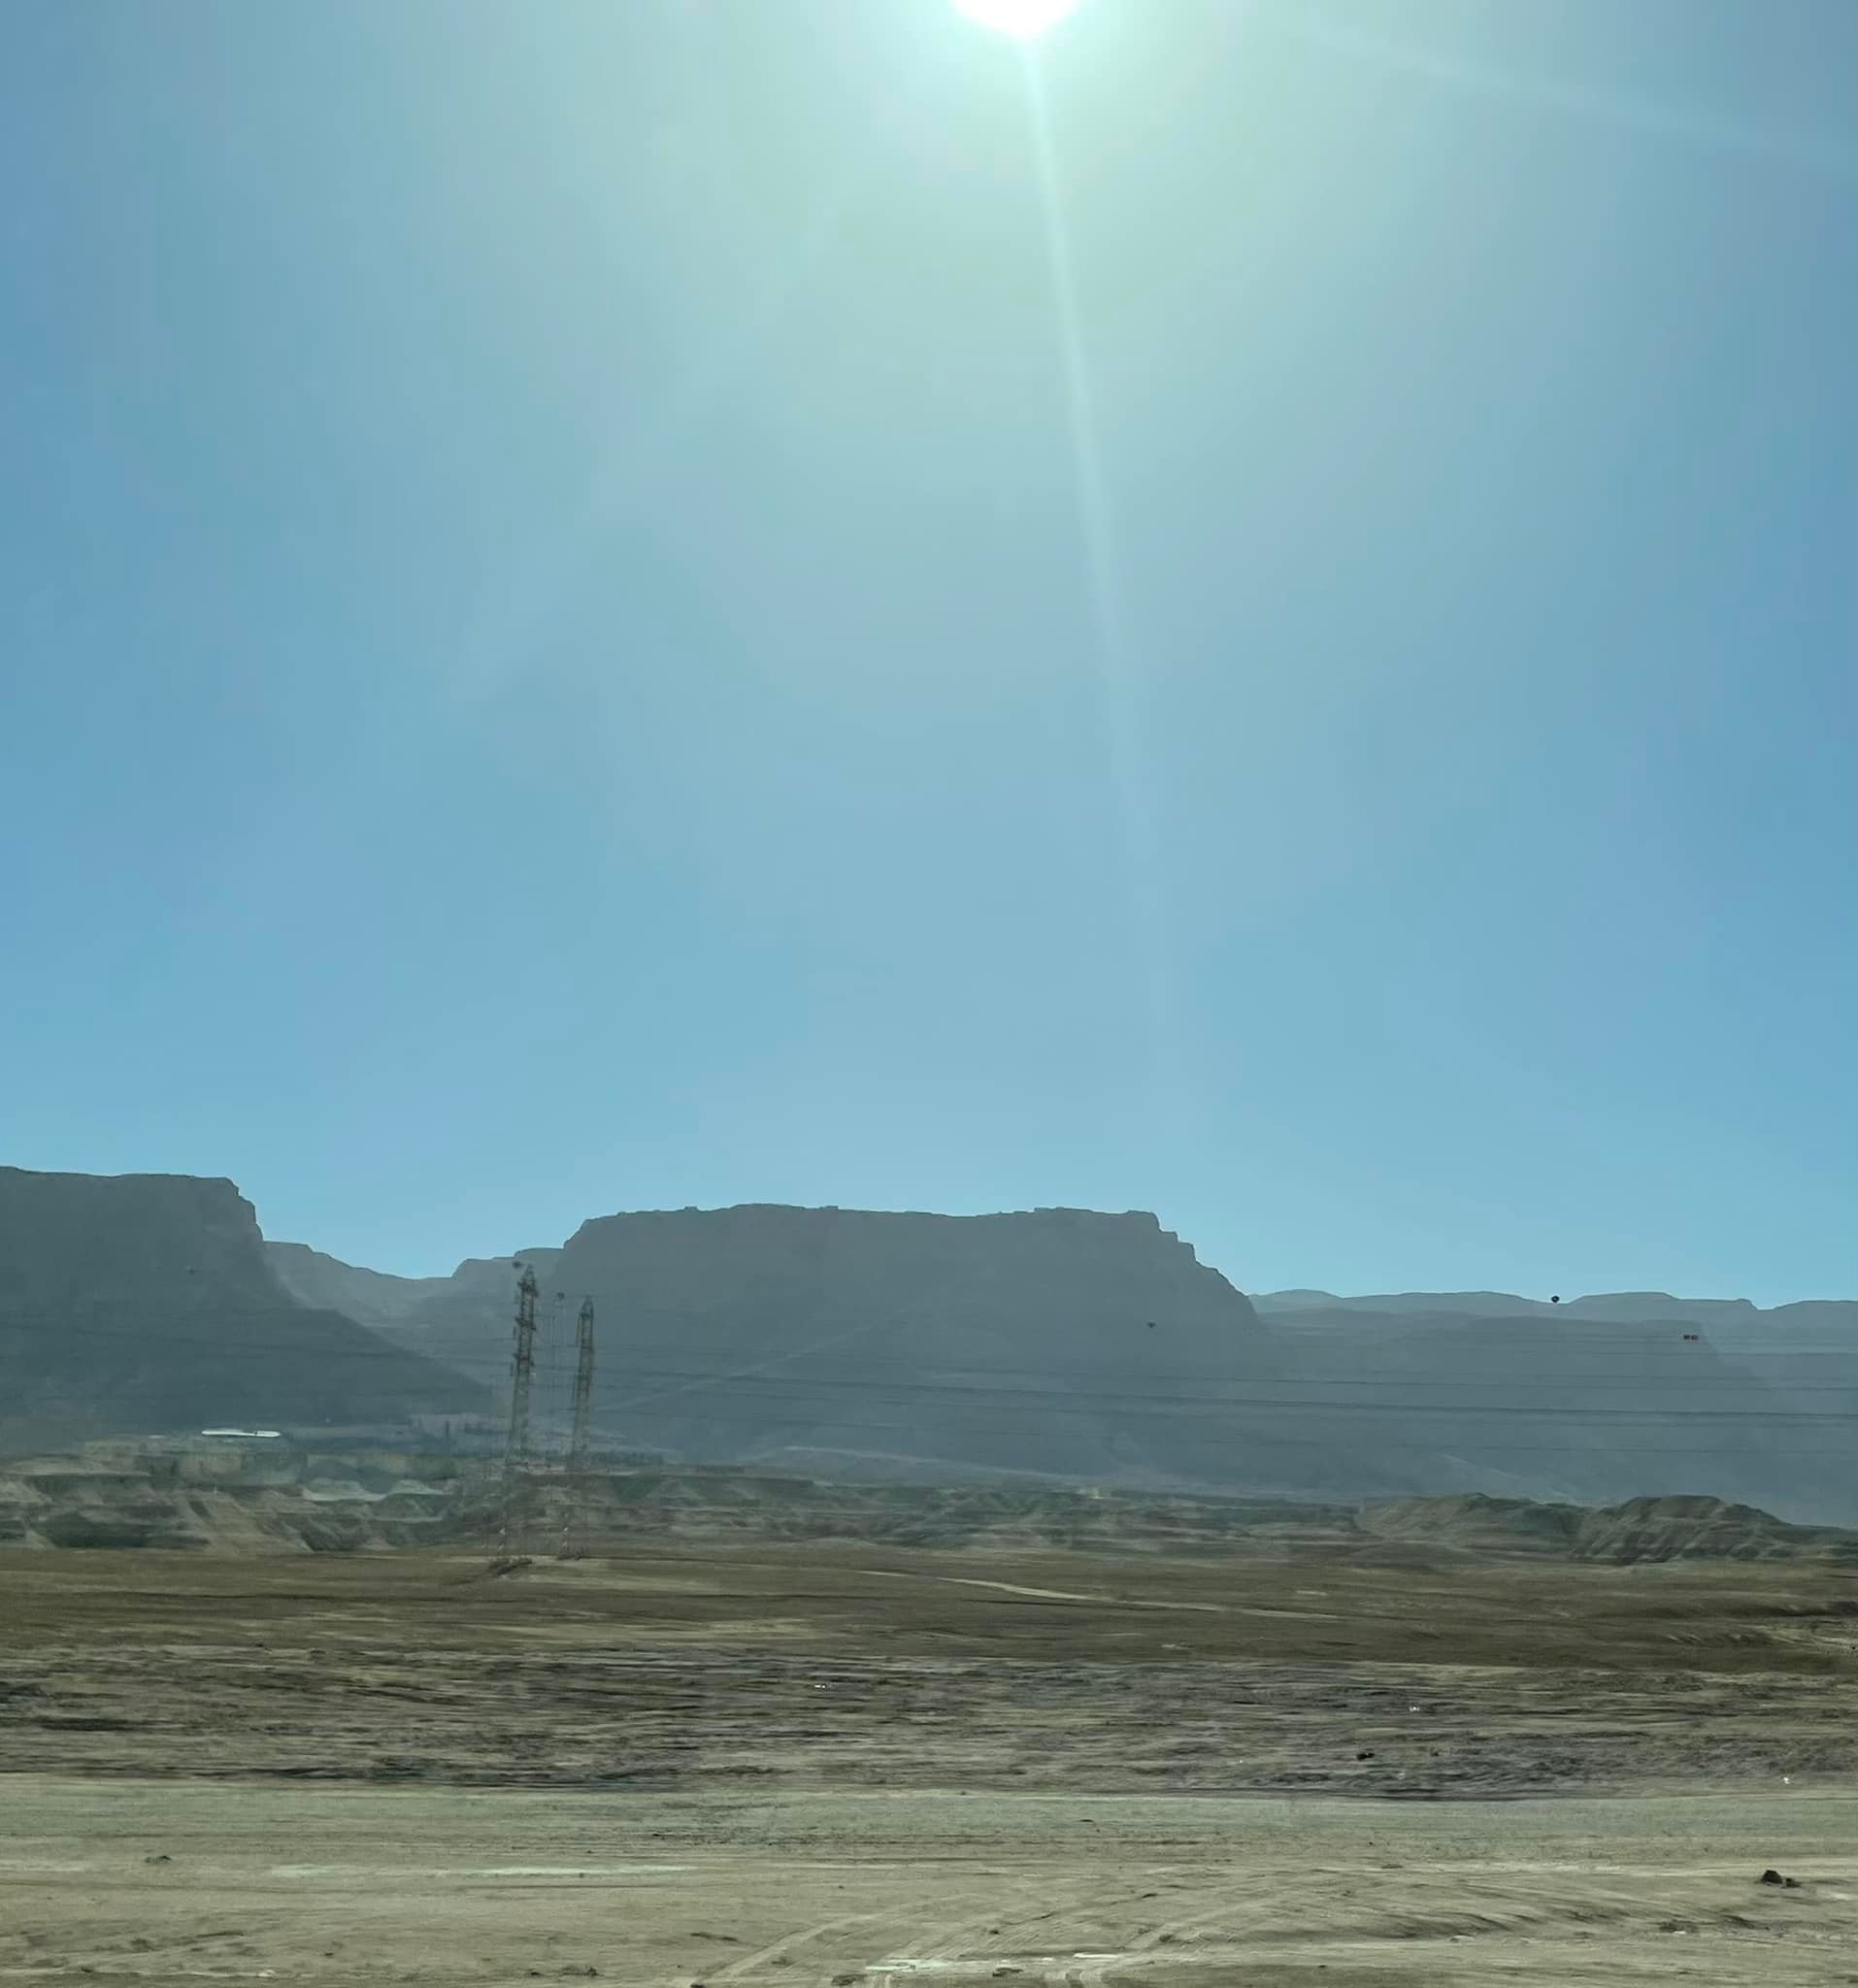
[(522, 1374), (582, 1386)]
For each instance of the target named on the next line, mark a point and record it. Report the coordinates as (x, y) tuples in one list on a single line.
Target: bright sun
[(1021, 19)]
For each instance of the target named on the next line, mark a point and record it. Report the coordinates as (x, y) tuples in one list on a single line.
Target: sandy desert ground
[(790, 1765), (343, 1885)]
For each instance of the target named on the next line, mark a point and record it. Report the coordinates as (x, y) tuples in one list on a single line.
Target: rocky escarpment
[(1058, 1340), (1063, 1343), (146, 1302)]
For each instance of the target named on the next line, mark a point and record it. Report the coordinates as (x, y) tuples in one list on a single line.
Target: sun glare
[(1020, 18)]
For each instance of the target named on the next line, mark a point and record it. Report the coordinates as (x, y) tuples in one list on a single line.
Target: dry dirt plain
[(794, 1765)]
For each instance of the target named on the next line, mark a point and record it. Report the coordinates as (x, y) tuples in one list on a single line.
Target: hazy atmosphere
[(929, 1017), (1245, 611)]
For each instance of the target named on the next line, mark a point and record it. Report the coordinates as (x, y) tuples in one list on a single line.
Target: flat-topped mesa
[(148, 1302), (1037, 1284), (146, 1239), (1023, 1340)]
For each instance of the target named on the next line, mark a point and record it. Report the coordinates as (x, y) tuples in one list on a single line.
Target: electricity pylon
[(522, 1372), (573, 1516), (582, 1386)]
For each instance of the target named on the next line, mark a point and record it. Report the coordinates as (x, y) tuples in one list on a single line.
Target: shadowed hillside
[(1066, 1343), (463, 1317), (146, 1302), (1058, 1340)]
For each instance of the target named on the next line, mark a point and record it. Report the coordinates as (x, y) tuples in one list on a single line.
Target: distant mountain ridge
[(463, 1312), (1625, 1308), (1051, 1342), (1080, 1345)]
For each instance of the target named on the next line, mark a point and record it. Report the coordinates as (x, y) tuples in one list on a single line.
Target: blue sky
[(623, 606)]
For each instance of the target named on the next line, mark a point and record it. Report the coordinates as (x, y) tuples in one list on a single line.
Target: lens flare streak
[(1118, 718)]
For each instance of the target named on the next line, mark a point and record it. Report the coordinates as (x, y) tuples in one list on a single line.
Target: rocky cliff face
[(146, 1302), (1058, 1340), (1097, 1345), (77, 1241)]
